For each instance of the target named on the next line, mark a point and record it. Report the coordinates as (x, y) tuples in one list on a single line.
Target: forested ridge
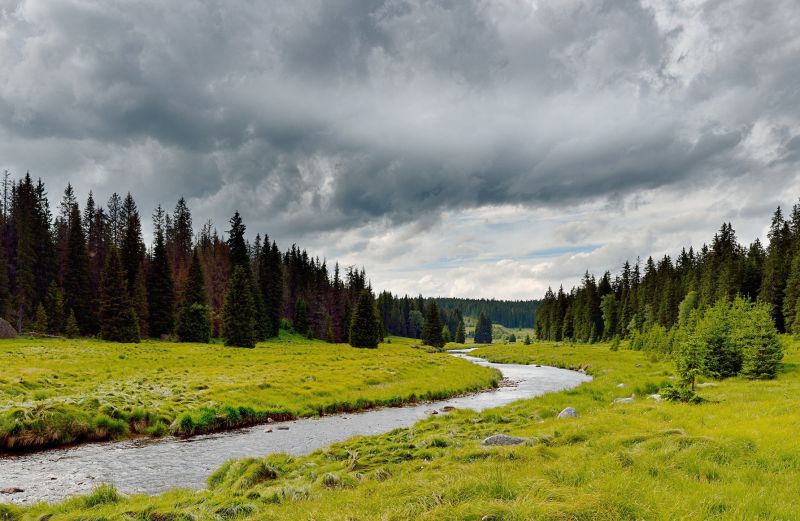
[(646, 294), (509, 313), (88, 272), (406, 316)]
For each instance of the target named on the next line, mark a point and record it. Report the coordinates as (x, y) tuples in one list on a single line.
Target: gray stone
[(656, 397), (629, 399), (569, 412), (620, 385), (502, 439), (11, 490)]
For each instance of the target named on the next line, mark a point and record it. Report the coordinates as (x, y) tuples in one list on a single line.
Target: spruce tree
[(132, 247), (71, 328), (194, 319), (690, 359), (77, 285), (160, 289), (263, 329), (363, 330), (755, 335), (300, 319), (446, 337), (140, 304), (238, 247), (270, 279), (527, 340), (432, 329), (461, 335), (54, 307), (118, 321), (483, 329), (238, 313), (40, 324), (776, 268)]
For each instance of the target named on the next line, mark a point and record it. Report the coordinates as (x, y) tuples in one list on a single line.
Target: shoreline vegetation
[(61, 392), (730, 457)]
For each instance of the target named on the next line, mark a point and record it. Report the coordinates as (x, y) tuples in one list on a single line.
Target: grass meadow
[(55, 391), (735, 456)]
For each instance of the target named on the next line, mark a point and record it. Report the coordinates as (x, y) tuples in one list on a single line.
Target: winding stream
[(152, 466)]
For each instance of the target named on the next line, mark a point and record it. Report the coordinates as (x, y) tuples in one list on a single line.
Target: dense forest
[(657, 292), (89, 272), (509, 313), (407, 316)]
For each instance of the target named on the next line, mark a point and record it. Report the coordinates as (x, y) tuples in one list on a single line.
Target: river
[(152, 466)]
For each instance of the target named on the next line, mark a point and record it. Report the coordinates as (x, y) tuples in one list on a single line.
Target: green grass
[(733, 457), (62, 391)]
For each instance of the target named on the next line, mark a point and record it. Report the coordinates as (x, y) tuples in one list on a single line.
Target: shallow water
[(152, 466)]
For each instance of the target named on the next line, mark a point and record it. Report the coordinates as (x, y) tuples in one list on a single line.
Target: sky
[(468, 148)]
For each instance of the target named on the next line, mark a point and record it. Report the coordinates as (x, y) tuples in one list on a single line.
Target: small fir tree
[(483, 329), (527, 340), (690, 359), (77, 286), (432, 329), (160, 288), (300, 319), (140, 304), (194, 319), (71, 329), (54, 307), (446, 334), (461, 336), (40, 324), (238, 314), (363, 332), (757, 338), (118, 321)]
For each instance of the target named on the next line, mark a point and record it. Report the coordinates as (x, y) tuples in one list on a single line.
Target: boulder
[(10, 490), (7, 330), (629, 399), (656, 397), (569, 412), (620, 385), (502, 439)]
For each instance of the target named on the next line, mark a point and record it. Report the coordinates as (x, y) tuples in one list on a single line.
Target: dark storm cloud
[(317, 115)]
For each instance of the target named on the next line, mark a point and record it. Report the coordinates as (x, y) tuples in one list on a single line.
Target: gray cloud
[(317, 117)]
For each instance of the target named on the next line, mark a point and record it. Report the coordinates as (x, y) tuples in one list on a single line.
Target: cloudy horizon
[(455, 148)]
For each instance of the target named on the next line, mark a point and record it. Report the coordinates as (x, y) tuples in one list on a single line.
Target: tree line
[(644, 295), (509, 313), (88, 272)]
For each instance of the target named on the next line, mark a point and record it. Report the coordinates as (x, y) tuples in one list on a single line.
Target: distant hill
[(509, 313)]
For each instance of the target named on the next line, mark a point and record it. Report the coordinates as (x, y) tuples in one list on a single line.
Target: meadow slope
[(62, 391), (735, 456)]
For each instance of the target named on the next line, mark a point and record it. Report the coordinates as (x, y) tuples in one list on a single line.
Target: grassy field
[(61, 391), (735, 456)]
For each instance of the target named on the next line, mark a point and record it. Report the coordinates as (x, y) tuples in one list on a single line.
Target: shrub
[(679, 394)]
